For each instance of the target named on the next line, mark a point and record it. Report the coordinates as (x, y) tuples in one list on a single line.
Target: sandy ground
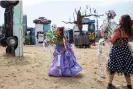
[(30, 71)]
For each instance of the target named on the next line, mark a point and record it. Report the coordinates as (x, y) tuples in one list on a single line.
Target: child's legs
[(111, 77), (128, 79)]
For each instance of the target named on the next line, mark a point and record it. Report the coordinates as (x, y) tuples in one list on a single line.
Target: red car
[(42, 20)]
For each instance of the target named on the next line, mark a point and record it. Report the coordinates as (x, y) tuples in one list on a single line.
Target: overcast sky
[(62, 10)]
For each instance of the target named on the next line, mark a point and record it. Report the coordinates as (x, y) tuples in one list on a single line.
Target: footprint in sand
[(37, 66), (2, 86), (18, 70), (93, 88), (55, 82), (83, 64), (95, 67), (37, 78), (103, 77), (95, 72), (28, 71), (45, 78), (13, 73), (6, 76)]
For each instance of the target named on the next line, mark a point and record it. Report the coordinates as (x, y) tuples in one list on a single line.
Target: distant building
[(42, 25)]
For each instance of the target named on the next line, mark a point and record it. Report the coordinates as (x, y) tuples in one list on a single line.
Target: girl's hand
[(106, 36), (63, 50)]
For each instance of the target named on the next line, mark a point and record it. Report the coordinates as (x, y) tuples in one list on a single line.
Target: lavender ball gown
[(64, 64)]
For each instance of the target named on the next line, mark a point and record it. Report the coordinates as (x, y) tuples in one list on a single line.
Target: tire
[(11, 41), (5, 4), (14, 3)]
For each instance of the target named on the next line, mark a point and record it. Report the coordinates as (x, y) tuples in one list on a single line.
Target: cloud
[(32, 2), (107, 3), (100, 2), (113, 2)]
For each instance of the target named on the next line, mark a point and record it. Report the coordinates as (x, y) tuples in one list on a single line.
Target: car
[(42, 20)]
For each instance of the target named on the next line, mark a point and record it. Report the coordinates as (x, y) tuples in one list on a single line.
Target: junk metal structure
[(13, 27), (84, 38)]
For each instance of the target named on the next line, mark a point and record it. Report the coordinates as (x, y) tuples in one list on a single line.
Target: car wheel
[(11, 41)]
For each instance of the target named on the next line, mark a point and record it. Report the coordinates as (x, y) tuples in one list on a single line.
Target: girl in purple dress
[(64, 61)]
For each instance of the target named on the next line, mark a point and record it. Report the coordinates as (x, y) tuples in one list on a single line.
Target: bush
[(26, 40)]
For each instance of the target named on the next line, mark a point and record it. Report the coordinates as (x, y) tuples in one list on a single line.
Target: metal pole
[(97, 23)]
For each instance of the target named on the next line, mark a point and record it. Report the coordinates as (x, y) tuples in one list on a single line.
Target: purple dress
[(64, 64)]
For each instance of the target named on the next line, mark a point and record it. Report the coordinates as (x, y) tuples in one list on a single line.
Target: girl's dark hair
[(126, 24), (61, 30)]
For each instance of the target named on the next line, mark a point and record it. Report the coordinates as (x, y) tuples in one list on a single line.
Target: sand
[(30, 71)]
